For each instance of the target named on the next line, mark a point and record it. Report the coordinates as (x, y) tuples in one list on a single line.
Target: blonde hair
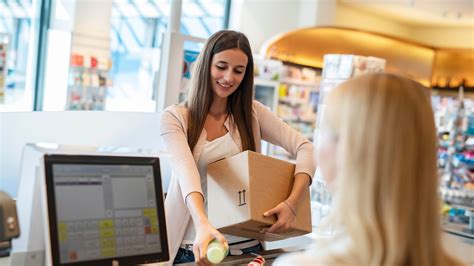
[(386, 199)]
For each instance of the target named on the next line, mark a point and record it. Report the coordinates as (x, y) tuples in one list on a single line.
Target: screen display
[(105, 211)]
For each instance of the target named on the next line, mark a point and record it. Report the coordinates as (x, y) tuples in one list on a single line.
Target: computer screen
[(105, 208)]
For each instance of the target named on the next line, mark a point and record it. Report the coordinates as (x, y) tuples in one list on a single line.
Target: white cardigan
[(185, 178)]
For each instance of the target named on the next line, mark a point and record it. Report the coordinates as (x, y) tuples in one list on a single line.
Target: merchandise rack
[(4, 39), (88, 82), (298, 96), (455, 122)]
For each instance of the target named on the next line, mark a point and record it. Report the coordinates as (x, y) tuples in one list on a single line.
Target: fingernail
[(265, 213)]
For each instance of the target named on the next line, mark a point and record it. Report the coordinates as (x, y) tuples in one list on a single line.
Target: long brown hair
[(239, 103)]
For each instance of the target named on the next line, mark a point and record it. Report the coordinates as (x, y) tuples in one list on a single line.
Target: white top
[(215, 150)]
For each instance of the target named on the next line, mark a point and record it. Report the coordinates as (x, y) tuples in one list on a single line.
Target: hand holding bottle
[(205, 235), (216, 252)]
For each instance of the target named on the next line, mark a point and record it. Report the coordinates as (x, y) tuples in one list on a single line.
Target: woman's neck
[(218, 107)]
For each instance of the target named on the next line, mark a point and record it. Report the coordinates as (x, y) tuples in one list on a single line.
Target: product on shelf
[(298, 96), (88, 82), (3, 66), (267, 69), (345, 66), (454, 118), (292, 92), (338, 68)]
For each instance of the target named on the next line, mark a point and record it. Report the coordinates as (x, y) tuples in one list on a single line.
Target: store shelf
[(3, 65), (297, 120), (88, 83), (293, 98), (455, 122), (312, 84), (292, 101)]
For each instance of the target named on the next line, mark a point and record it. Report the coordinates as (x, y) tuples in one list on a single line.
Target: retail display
[(267, 73), (297, 106), (291, 91), (88, 82), (266, 92), (298, 94), (454, 118), (455, 122), (339, 68), (3, 65), (267, 69)]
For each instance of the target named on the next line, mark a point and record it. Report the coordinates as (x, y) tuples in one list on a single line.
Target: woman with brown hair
[(220, 119), (377, 153)]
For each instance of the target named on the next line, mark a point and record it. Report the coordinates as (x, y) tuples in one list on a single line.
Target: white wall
[(261, 20)]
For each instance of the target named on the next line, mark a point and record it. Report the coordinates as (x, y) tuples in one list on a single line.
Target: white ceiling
[(457, 13)]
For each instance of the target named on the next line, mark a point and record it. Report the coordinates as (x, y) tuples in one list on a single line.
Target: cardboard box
[(241, 188)]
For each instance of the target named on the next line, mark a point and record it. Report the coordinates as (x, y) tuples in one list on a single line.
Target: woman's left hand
[(286, 218)]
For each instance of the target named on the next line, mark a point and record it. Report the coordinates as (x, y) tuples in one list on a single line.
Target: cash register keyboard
[(109, 237)]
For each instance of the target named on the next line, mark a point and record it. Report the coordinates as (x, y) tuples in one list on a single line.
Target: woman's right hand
[(205, 233)]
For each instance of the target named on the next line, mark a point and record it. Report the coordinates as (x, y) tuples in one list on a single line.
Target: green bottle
[(216, 252)]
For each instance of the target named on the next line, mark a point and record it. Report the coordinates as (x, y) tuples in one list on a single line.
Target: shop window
[(16, 55), (136, 37)]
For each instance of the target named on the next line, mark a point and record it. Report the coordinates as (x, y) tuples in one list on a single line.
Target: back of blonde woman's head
[(386, 184)]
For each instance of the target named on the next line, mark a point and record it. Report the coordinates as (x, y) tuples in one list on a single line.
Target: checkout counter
[(136, 130), (460, 247)]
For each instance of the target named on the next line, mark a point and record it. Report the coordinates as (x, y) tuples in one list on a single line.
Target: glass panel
[(191, 9), (16, 56), (133, 48), (194, 26), (136, 37)]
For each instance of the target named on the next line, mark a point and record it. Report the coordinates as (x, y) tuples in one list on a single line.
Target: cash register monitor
[(104, 210)]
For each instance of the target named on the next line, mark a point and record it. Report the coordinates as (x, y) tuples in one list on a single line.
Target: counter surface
[(460, 247)]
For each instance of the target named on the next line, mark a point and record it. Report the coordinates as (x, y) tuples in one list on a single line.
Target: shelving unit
[(3, 65), (298, 96), (455, 122), (292, 93), (266, 92), (88, 83)]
